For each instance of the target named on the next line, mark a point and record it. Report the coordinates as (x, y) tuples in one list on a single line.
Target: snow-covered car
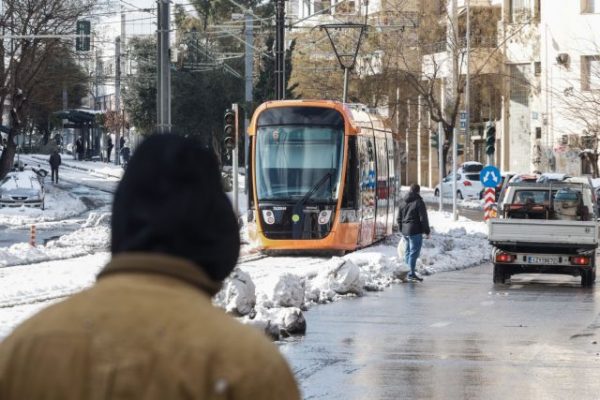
[(468, 186), (470, 167), (22, 188)]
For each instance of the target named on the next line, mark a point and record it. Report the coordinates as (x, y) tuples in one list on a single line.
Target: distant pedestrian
[(125, 154), (55, 161), (122, 142), (147, 329), (79, 149), (109, 147), (413, 223)]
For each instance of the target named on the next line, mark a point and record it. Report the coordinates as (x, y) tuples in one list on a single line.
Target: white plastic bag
[(401, 249)]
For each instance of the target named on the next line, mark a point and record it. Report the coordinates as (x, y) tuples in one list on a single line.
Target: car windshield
[(472, 177), (295, 160)]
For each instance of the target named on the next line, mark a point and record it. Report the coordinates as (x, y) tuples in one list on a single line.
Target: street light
[(345, 40)]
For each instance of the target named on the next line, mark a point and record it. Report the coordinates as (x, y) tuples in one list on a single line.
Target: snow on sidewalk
[(270, 293)]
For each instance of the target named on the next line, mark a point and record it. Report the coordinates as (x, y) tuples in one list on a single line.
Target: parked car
[(468, 185), (22, 188)]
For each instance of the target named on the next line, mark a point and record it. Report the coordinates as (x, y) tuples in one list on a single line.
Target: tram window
[(351, 182)]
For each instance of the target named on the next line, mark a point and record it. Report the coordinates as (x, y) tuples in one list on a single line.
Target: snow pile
[(88, 240), (59, 205), (285, 286)]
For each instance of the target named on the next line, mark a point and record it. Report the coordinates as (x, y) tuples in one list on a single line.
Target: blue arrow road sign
[(490, 176)]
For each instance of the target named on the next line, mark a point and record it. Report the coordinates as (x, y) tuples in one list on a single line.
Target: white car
[(22, 188), (468, 186)]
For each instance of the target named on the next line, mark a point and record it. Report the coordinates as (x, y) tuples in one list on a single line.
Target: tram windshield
[(294, 161)]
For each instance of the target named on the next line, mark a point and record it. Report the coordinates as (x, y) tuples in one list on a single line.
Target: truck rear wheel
[(588, 277), (499, 274)]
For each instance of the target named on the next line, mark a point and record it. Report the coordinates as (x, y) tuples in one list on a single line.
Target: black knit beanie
[(171, 201)]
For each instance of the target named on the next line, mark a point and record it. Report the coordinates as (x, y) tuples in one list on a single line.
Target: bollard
[(32, 236)]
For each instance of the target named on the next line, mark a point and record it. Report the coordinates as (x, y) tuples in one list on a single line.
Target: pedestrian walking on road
[(147, 329), (79, 149), (413, 223), (55, 161), (109, 147)]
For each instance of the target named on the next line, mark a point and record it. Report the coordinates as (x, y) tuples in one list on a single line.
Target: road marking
[(487, 303), (440, 324)]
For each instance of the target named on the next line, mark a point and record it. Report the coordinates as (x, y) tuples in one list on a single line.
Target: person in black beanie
[(147, 328)]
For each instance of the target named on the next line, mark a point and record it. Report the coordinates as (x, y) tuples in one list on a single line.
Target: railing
[(476, 42)]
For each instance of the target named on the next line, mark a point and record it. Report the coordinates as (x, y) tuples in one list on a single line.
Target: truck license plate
[(542, 260)]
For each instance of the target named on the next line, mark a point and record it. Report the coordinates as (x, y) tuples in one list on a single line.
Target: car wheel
[(459, 195), (499, 274), (436, 193)]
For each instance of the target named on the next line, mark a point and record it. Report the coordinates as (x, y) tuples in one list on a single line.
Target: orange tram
[(321, 177)]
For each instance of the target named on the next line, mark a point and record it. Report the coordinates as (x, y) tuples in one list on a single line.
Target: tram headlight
[(324, 217), (268, 216)]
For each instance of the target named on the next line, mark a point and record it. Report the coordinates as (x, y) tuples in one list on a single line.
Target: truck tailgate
[(543, 231)]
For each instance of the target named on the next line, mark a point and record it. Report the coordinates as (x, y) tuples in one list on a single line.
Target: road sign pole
[(454, 174)]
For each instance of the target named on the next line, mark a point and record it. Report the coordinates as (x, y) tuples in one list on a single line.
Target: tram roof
[(358, 115)]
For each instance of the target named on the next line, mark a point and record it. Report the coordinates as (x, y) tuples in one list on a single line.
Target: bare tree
[(32, 31)]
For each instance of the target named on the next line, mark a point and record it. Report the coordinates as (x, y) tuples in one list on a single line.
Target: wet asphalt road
[(455, 336)]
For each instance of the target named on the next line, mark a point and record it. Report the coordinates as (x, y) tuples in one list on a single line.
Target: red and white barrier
[(489, 198)]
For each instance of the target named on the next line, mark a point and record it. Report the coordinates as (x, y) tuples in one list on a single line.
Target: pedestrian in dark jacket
[(79, 149), (147, 329), (109, 147), (55, 161), (413, 223)]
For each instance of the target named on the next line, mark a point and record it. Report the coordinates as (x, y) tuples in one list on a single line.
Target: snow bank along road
[(270, 292)]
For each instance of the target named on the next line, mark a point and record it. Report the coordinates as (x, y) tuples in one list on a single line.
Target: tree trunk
[(8, 156)]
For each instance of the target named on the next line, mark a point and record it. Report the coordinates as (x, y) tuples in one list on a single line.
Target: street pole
[(468, 87), (454, 172), (456, 98), (163, 71), (234, 161), (117, 95), (249, 61), (441, 140), (279, 49), (345, 94)]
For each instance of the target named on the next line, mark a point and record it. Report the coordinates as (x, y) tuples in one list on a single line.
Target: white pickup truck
[(546, 228)]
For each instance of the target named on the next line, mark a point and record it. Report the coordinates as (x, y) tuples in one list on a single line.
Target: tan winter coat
[(146, 330)]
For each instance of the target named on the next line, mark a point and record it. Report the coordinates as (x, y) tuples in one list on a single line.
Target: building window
[(590, 6), (538, 132), (590, 72), (537, 68), (323, 7), (520, 10)]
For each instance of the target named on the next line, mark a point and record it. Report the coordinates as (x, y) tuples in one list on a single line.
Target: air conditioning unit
[(563, 59)]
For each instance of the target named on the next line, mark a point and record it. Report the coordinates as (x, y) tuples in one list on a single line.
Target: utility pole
[(163, 93), (468, 87), (279, 50), (117, 95), (455, 98), (249, 97)]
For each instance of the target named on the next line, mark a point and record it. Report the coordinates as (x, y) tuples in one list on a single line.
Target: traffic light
[(490, 140), (434, 139), (82, 43), (229, 131)]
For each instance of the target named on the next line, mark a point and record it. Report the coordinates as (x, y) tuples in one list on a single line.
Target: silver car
[(22, 188)]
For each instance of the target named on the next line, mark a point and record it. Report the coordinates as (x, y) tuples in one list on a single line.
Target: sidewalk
[(96, 167)]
